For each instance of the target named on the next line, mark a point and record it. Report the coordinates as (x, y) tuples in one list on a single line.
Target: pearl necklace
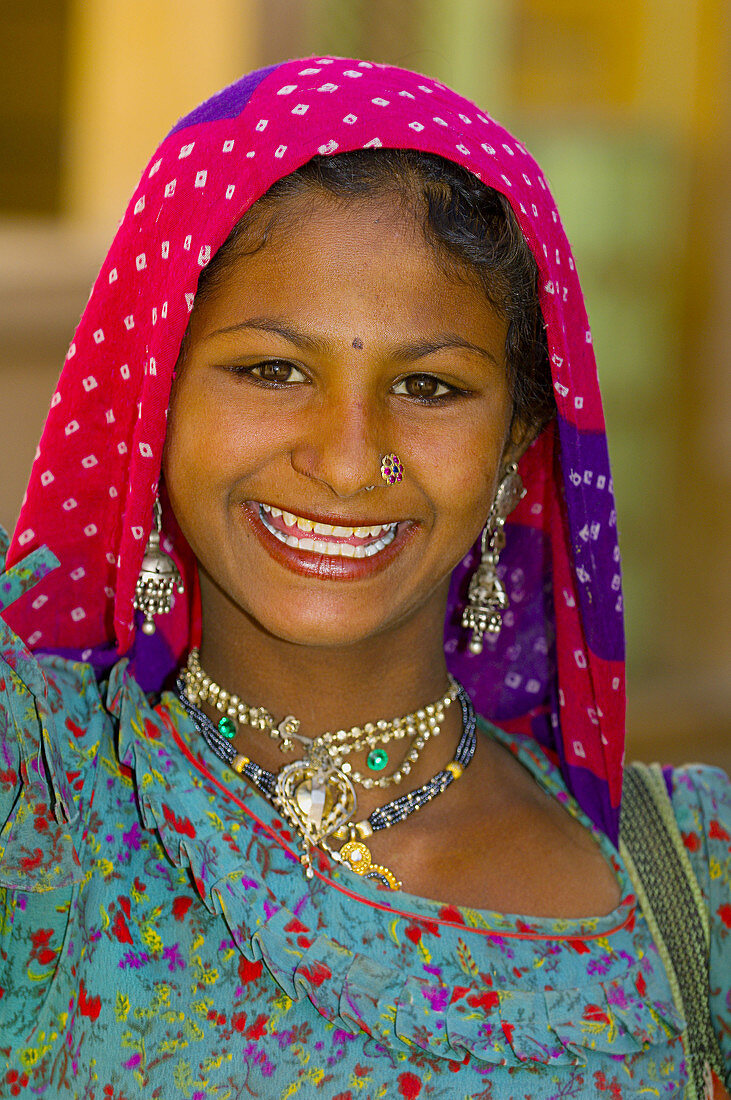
[(318, 799), (420, 726)]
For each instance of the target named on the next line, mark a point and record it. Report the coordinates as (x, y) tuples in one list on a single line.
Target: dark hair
[(470, 226)]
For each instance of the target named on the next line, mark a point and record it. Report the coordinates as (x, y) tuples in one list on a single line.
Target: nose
[(340, 445)]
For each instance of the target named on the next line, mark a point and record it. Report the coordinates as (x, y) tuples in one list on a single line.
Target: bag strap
[(673, 906)]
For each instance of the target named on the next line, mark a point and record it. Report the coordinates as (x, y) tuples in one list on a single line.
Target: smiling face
[(341, 339)]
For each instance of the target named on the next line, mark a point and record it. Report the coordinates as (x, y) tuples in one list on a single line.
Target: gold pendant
[(358, 857), (316, 800)]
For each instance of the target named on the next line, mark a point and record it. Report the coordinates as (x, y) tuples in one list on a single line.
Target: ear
[(519, 438)]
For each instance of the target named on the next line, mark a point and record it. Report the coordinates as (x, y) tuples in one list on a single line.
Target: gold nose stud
[(391, 469)]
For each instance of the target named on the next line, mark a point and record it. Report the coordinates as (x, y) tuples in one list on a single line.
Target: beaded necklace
[(318, 799), (420, 725)]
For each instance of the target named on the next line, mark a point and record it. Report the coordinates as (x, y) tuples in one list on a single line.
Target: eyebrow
[(411, 352), (279, 328), (408, 353)]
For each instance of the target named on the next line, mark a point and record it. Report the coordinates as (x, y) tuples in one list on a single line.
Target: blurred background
[(625, 105)]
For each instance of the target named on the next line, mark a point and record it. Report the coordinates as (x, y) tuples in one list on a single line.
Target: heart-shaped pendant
[(311, 797), (315, 800)]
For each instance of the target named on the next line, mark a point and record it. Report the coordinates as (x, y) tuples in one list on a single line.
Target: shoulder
[(46, 705), (54, 731), (701, 799), (45, 725)]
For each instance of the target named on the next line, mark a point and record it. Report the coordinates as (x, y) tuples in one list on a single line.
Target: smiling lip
[(331, 550)]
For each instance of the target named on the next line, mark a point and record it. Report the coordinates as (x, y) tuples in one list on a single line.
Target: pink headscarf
[(557, 670)]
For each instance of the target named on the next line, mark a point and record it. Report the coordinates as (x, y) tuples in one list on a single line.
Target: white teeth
[(320, 546), (338, 530)]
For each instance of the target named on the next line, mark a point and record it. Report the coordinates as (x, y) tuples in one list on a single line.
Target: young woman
[(336, 368)]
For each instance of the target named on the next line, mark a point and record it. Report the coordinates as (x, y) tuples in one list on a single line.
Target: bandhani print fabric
[(157, 935)]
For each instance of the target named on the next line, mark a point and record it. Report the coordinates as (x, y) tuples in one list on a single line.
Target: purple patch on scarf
[(589, 790), (152, 661), (526, 641), (593, 522), (102, 658), (227, 103)]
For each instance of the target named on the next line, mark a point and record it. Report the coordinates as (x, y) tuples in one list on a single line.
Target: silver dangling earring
[(486, 598), (159, 575)]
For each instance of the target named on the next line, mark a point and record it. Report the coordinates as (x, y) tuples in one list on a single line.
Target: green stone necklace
[(377, 760), (419, 727)]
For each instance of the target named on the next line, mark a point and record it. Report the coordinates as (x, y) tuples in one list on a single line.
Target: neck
[(331, 687)]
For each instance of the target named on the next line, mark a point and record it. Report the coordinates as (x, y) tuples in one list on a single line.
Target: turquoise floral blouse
[(158, 937)]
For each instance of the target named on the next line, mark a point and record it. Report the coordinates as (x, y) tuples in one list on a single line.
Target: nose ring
[(391, 469)]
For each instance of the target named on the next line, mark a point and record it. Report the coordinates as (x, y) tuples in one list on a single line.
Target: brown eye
[(425, 386), (277, 371)]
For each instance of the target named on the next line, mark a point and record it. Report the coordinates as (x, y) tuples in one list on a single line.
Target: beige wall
[(136, 66)]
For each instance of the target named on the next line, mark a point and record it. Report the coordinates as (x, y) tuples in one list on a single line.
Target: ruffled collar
[(384, 981)]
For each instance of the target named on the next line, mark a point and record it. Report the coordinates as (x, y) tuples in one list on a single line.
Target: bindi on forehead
[(358, 343)]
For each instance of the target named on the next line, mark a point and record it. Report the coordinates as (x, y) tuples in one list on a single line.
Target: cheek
[(210, 440), (466, 467), (192, 458)]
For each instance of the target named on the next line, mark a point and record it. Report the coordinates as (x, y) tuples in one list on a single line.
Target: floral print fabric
[(159, 937)]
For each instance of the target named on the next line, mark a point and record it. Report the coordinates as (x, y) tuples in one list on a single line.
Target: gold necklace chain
[(319, 801), (419, 725)]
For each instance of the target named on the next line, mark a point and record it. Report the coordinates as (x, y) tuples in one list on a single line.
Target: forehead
[(315, 251)]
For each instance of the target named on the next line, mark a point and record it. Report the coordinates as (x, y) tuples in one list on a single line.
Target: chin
[(315, 627)]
